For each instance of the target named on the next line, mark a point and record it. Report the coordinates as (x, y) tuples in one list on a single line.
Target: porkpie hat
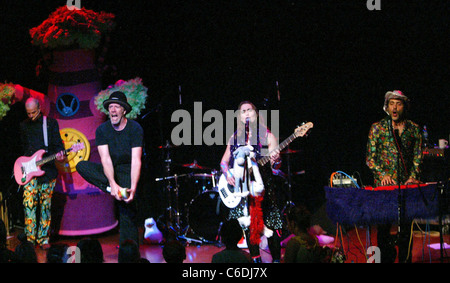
[(395, 94), (119, 98)]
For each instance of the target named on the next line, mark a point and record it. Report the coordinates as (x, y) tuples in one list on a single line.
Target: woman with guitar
[(257, 135), (39, 190)]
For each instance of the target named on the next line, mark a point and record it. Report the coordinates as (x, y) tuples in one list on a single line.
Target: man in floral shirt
[(382, 150), (383, 157)]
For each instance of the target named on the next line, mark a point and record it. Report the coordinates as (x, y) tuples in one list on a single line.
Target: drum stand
[(173, 221), (200, 240), (289, 203), (190, 239)]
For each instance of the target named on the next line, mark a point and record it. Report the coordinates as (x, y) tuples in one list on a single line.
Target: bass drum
[(206, 215)]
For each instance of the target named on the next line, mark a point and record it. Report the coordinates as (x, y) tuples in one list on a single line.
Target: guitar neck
[(50, 157), (280, 147)]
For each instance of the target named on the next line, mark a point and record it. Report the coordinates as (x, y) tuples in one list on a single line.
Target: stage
[(354, 242), (328, 62)]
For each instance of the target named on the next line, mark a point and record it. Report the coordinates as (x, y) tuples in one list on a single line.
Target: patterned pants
[(36, 194)]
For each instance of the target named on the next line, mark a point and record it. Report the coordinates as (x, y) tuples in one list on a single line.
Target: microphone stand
[(394, 133), (401, 212), (247, 142), (246, 176), (400, 196)]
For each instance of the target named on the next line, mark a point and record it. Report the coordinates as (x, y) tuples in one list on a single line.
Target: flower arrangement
[(7, 92), (135, 91), (67, 28)]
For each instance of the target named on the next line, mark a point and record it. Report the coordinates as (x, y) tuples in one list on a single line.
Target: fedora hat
[(396, 94), (119, 98)]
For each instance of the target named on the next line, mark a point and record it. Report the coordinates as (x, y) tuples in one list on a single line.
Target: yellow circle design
[(70, 137)]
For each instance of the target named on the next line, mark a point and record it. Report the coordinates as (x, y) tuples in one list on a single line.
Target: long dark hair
[(258, 123)]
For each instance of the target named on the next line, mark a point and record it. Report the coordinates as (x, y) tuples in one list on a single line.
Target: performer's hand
[(60, 156), (229, 176), (412, 181), (387, 180), (115, 191), (131, 193), (230, 180), (275, 157)]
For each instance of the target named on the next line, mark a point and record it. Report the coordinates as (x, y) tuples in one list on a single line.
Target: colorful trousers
[(36, 195)]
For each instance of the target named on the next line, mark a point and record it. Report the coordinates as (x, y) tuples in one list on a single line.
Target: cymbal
[(290, 151), (194, 165), (203, 176)]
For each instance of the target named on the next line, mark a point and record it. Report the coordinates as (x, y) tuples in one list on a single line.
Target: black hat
[(119, 98)]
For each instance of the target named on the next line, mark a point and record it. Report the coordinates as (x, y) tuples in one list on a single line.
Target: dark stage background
[(333, 60)]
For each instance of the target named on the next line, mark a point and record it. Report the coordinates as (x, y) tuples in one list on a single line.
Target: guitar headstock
[(303, 129), (77, 147)]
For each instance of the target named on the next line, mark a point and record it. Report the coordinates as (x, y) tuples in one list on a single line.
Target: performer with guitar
[(260, 135), (38, 190), (394, 155)]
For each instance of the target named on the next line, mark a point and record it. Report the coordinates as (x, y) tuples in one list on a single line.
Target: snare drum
[(206, 215)]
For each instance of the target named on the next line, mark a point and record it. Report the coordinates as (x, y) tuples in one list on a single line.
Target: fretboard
[(280, 147), (51, 157)]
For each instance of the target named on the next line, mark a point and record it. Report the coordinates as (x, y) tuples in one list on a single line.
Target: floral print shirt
[(381, 155)]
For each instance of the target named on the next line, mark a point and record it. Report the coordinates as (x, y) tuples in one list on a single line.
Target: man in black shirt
[(119, 142), (38, 192)]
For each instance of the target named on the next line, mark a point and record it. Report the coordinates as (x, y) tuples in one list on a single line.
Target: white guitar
[(226, 191)]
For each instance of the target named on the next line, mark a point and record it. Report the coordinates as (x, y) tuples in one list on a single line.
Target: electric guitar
[(226, 191), (28, 167)]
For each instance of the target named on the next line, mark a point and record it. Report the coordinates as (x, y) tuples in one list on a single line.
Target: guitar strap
[(44, 128)]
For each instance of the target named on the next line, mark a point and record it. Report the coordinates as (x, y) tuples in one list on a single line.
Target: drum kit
[(196, 213)]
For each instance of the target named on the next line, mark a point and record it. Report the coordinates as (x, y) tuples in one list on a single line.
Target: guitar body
[(25, 167), (28, 167), (228, 197)]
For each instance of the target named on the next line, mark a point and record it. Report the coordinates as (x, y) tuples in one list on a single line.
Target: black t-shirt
[(121, 142)]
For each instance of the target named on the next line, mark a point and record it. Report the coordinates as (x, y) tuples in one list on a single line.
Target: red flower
[(81, 24)]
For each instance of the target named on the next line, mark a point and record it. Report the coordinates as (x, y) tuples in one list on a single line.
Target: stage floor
[(354, 243)]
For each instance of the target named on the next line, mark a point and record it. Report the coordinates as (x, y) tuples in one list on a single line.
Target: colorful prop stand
[(78, 207)]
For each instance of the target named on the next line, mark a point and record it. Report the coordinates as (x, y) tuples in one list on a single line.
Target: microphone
[(390, 125)]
